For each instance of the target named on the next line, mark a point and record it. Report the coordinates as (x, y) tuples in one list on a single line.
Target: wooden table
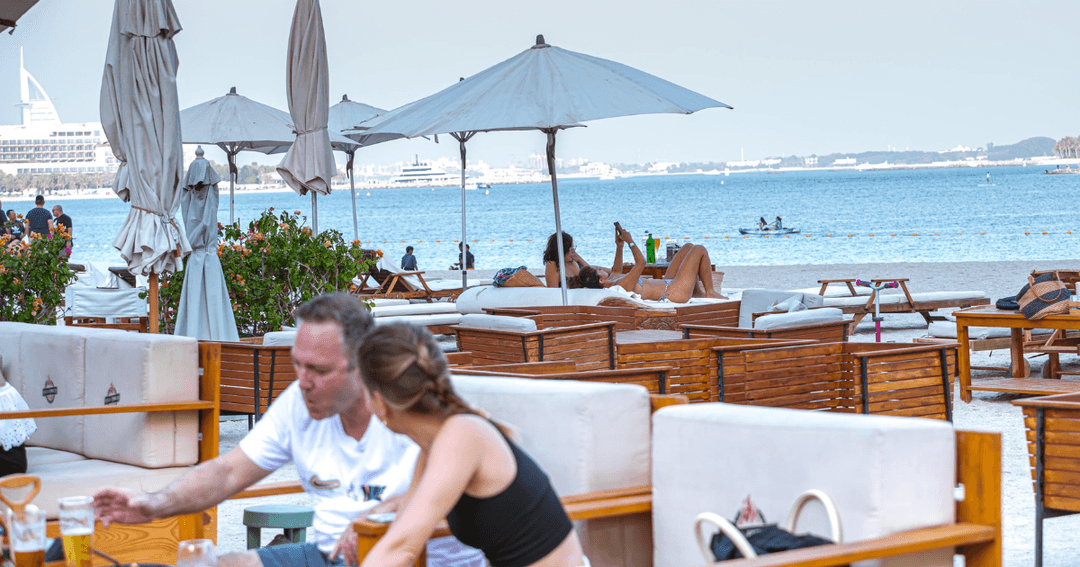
[(988, 316)]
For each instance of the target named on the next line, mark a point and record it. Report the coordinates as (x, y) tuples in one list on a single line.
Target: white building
[(44, 144), (844, 161)]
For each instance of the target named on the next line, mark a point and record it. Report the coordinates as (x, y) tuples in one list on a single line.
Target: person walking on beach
[(470, 472), (347, 461), (408, 261), (38, 220), (61, 219), (468, 259)]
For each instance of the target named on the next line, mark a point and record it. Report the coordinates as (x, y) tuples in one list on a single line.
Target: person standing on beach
[(408, 261), (61, 218), (347, 461), (38, 220)]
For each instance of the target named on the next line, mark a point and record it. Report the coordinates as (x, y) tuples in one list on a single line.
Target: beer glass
[(28, 537), (77, 529), (196, 553)]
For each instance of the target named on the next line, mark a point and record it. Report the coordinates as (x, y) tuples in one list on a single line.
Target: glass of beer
[(28, 537), (77, 529), (196, 553)]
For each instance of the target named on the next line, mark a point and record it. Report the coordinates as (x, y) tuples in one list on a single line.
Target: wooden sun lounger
[(901, 380), (396, 285), (908, 303)]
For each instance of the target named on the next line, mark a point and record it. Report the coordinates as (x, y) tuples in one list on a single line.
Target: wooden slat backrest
[(724, 314), (654, 379), (241, 363), (730, 377), (831, 332), (459, 358), (531, 368), (590, 346), (811, 377), (1060, 451), (905, 380), (690, 359)]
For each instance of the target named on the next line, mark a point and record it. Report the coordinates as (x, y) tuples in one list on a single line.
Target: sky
[(803, 77)]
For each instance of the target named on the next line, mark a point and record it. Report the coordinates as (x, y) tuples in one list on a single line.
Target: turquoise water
[(972, 221)]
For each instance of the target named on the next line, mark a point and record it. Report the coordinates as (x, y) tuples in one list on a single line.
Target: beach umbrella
[(544, 88), (236, 123), (309, 163), (205, 311), (344, 116), (140, 115)]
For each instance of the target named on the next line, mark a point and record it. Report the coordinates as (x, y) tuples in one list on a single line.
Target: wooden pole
[(152, 297)]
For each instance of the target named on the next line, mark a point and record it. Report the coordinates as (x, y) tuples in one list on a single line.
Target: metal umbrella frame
[(543, 88)]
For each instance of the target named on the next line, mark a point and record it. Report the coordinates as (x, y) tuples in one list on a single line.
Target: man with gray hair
[(347, 460)]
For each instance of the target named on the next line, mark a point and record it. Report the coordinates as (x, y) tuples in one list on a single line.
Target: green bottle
[(650, 249)]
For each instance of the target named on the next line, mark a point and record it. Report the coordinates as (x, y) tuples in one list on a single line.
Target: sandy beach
[(987, 412)]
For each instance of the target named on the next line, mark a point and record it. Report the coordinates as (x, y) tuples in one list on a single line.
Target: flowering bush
[(272, 267), (33, 276)]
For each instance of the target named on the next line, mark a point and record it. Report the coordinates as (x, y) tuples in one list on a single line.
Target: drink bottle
[(650, 249)]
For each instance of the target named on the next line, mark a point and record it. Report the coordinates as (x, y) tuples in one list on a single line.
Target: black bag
[(1007, 303), (764, 539), (1042, 296)]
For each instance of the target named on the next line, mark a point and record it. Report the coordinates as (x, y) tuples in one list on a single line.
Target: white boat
[(422, 173)]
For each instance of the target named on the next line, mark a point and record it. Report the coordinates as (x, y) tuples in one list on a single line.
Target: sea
[(903, 215)]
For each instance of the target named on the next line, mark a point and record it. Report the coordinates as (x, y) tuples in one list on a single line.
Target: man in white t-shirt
[(346, 459)]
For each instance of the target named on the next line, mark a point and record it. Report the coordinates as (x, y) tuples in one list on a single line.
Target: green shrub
[(33, 277)]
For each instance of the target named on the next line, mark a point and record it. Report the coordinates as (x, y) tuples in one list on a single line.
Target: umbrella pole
[(232, 184), (464, 243), (315, 212), (352, 191), (558, 220), (152, 300)]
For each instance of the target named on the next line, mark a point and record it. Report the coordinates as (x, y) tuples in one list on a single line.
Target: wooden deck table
[(989, 316)]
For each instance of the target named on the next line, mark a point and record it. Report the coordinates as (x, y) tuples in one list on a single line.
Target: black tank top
[(517, 527)]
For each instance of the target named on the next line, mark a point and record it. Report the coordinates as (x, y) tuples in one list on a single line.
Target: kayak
[(767, 232)]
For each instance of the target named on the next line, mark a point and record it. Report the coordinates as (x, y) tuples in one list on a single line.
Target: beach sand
[(987, 412)]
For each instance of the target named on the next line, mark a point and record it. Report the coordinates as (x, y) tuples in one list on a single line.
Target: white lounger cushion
[(279, 338), (896, 298), (476, 299), (38, 456), (424, 308), (947, 330), (424, 320), (142, 368), (885, 474), (85, 477), (498, 323), (759, 301), (805, 317), (586, 436)]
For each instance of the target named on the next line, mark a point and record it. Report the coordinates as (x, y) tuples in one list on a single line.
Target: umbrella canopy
[(141, 118), (543, 88), (309, 163), (205, 311), (11, 11)]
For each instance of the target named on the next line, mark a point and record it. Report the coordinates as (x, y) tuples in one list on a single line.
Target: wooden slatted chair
[(590, 346), (900, 380), (253, 376)]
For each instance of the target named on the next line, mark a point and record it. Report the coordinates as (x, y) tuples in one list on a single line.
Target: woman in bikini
[(573, 262), (493, 495), (689, 266)]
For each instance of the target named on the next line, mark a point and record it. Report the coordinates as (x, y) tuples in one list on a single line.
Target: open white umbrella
[(141, 118), (309, 163), (344, 116), (543, 88), (205, 311)]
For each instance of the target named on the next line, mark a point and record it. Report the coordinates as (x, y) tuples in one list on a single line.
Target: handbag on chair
[(733, 542)]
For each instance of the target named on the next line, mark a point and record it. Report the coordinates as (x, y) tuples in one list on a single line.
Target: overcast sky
[(804, 77)]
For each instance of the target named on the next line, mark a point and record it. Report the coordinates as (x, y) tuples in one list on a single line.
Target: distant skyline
[(804, 77)]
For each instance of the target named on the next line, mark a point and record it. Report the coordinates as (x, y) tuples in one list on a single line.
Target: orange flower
[(326, 243)]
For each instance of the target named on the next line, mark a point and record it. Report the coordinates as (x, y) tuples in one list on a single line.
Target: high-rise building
[(44, 144)]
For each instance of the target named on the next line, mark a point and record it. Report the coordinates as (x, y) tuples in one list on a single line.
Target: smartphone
[(618, 227), (384, 518)]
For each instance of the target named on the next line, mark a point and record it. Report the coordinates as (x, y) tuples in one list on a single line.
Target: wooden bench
[(590, 346), (1052, 425), (253, 376), (976, 535), (899, 379)]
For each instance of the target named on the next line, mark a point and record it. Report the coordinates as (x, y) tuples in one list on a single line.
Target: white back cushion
[(10, 345), (885, 474), (759, 301), (498, 323), (279, 338), (131, 368), (804, 317)]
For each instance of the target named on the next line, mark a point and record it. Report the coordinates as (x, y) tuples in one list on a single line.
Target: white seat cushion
[(805, 317), (947, 330), (759, 301), (131, 368), (498, 322), (947, 295), (885, 474), (424, 308), (39, 456), (279, 338), (85, 477)]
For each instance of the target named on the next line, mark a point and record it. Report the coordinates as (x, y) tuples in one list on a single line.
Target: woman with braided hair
[(469, 472)]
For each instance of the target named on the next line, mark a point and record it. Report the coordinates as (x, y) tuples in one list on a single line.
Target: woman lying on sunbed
[(689, 266)]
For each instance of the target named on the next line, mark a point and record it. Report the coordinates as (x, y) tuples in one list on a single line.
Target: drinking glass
[(28, 537), (77, 529), (196, 553)]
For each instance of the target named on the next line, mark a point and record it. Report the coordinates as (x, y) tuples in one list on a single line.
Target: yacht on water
[(423, 173)]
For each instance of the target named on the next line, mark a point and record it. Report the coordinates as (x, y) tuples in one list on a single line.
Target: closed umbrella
[(309, 163), (544, 88), (140, 115), (205, 311), (344, 116)]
